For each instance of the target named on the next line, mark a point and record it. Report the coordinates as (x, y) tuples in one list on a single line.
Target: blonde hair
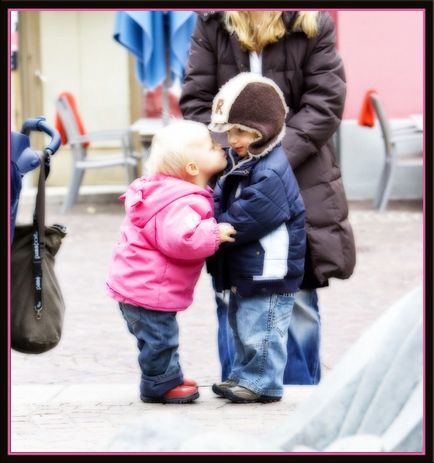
[(173, 147), (271, 27), (307, 22)]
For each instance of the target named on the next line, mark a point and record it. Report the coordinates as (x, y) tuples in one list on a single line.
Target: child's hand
[(226, 230)]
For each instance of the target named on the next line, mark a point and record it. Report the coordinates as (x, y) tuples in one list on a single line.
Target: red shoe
[(178, 395), (189, 382)]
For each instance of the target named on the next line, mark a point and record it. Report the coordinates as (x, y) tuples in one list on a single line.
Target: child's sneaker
[(219, 389), (242, 395), (178, 395)]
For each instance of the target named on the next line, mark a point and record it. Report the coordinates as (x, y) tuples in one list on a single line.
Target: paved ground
[(77, 396)]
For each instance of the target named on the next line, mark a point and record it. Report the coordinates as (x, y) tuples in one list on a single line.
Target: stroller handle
[(39, 124)]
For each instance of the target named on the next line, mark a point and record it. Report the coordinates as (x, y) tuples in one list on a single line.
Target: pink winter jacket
[(168, 231)]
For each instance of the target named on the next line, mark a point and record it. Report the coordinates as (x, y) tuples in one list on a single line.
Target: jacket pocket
[(283, 305), (247, 260)]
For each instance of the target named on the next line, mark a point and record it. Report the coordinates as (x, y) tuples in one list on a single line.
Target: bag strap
[(38, 235)]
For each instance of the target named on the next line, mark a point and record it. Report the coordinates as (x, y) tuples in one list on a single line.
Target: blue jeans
[(303, 347), (225, 340), (157, 339), (304, 337), (260, 332)]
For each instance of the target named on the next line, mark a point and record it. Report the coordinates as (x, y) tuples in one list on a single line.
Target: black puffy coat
[(310, 73)]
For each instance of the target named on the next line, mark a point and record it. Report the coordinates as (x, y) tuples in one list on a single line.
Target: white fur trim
[(251, 156), (272, 145), (230, 91)]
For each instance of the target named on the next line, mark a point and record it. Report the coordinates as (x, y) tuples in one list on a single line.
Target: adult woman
[(297, 51)]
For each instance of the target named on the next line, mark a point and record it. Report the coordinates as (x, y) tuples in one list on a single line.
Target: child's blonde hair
[(172, 147)]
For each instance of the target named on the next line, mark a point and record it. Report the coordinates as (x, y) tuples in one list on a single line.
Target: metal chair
[(81, 161), (392, 138)]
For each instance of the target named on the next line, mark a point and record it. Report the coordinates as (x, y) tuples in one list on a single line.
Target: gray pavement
[(82, 392)]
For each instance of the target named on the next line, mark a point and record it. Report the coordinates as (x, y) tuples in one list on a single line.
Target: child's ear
[(192, 169)]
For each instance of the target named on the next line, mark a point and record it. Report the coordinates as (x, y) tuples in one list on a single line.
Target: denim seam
[(277, 328), (129, 321), (266, 339)]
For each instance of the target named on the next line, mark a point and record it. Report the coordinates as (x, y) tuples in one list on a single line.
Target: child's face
[(240, 140), (210, 158)]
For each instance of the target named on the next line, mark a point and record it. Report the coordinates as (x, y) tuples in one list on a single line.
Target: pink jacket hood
[(147, 196)]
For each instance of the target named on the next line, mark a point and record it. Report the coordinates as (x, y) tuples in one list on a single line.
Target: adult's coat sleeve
[(200, 83), (322, 102)]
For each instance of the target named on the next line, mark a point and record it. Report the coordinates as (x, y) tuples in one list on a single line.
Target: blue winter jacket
[(261, 199)]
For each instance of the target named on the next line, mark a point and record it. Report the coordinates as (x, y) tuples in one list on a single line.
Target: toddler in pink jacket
[(168, 231)]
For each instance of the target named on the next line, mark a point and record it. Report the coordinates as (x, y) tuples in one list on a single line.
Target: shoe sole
[(240, 400), (175, 400)]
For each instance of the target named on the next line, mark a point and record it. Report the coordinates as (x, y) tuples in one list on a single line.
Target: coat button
[(257, 253)]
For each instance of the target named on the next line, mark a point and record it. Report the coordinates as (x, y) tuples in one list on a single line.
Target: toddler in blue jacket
[(258, 195)]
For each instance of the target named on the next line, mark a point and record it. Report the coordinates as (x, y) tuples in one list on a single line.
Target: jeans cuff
[(157, 386)]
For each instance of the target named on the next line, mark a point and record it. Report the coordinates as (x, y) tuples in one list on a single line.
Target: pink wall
[(383, 50)]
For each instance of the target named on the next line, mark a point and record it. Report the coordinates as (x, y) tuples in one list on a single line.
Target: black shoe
[(219, 389), (242, 395)]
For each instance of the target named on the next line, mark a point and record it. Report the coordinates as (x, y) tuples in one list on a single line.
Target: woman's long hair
[(254, 36)]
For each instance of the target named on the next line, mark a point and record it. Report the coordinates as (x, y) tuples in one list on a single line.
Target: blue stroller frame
[(24, 159)]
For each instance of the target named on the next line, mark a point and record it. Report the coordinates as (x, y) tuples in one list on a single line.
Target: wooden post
[(29, 63)]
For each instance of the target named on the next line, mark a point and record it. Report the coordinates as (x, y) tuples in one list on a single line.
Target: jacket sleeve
[(200, 83), (182, 233), (260, 208), (322, 102)]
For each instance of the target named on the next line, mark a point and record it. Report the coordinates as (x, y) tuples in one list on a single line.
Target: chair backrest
[(70, 118), (383, 120)]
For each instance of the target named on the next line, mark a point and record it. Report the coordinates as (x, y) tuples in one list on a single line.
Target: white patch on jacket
[(276, 247)]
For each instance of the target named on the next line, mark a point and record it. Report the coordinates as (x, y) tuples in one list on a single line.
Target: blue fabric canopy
[(146, 33), (23, 160), (181, 26)]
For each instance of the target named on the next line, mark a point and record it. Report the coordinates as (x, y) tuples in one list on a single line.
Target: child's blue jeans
[(260, 331), (303, 347), (157, 339)]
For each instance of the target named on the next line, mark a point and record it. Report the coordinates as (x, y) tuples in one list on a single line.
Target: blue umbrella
[(159, 40), (142, 33), (181, 26)]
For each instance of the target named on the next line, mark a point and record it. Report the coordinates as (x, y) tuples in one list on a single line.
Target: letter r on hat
[(218, 109)]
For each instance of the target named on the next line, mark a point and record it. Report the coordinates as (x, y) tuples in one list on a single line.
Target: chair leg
[(73, 189), (387, 190), (132, 172), (380, 187), (385, 187)]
